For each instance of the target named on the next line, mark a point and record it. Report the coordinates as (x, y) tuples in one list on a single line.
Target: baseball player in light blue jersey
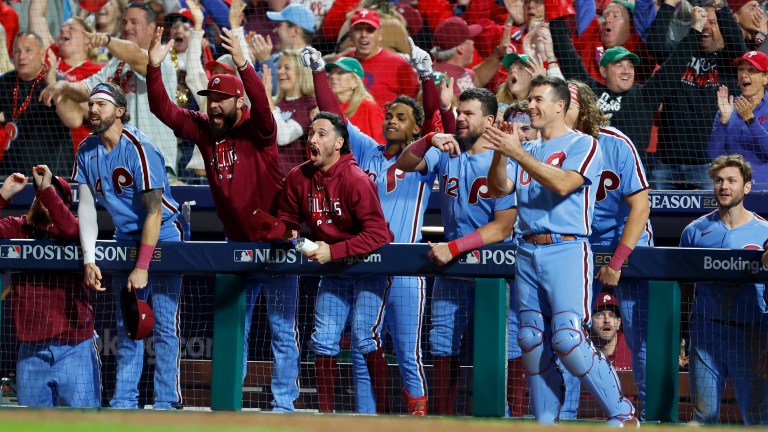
[(125, 171), (621, 222), (729, 326), (555, 179), (471, 219)]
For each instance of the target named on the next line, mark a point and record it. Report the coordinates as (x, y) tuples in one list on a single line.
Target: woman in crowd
[(345, 76)]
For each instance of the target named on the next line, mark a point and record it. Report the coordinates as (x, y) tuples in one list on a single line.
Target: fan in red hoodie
[(340, 205), (58, 363)]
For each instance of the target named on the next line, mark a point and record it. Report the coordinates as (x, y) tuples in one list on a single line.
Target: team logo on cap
[(606, 298), (12, 251), (243, 256), (751, 54), (364, 12), (215, 81)]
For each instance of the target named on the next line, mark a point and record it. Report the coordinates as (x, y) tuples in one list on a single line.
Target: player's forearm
[(326, 100), (499, 185), (130, 53), (639, 211), (88, 224), (412, 158), (150, 232), (260, 113), (553, 178), (76, 91), (485, 71), (37, 22), (61, 216), (70, 112)]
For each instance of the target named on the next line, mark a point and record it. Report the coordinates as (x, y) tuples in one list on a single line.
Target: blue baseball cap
[(296, 14)]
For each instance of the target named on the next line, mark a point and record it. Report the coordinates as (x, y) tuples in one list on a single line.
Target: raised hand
[(420, 60), (231, 43), (158, 51), (760, 21), (446, 143), (236, 14), (266, 78), (503, 47), (446, 92), (507, 144), (261, 47), (312, 59), (536, 66), (43, 176), (12, 185), (197, 13), (724, 104), (700, 17), (744, 108)]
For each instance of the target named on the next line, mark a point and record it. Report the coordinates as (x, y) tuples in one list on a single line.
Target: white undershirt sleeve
[(88, 223)]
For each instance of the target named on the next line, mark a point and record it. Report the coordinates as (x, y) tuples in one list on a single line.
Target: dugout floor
[(54, 420)]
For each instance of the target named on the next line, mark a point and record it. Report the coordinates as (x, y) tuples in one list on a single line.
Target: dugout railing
[(664, 266)]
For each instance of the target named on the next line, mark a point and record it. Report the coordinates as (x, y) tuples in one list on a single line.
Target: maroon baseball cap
[(758, 59), (229, 85), (453, 32), (413, 18), (607, 300), (137, 315), (737, 4), (365, 16), (266, 227)]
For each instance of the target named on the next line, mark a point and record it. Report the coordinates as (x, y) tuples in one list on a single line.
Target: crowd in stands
[(682, 81)]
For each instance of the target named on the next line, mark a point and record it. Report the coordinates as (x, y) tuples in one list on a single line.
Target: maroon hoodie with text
[(340, 206)]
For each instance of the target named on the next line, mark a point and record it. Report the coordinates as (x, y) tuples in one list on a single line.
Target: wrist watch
[(750, 121)]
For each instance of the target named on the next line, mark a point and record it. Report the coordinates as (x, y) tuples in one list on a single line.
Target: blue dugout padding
[(492, 264)]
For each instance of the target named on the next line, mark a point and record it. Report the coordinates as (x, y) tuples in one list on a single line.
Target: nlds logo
[(243, 256), (485, 256), (12, 251)]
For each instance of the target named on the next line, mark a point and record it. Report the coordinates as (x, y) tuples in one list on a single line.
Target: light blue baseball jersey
[(466, 204), (727, 301), (623, 175), (403, 195), (118, 178), (542, 210)]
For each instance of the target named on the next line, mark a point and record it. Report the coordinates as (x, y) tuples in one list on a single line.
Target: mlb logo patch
[(243, 256), (12, 251), (472, 257)]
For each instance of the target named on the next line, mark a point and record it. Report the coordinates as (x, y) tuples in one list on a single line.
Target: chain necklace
[(18, 111), (182, 91)]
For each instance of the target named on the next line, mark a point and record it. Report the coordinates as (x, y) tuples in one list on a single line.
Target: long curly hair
[(591, 118)]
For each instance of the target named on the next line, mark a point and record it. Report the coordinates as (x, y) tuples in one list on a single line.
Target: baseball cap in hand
[(229, 85), (137, 315), (618, 53), (758, 59), (365, 16), (295, 14), (453, 32), (266, 227), (348, 64)]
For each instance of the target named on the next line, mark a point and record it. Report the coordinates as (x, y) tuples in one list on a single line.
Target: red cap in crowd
[(137, 315), (365, 16), (413, 19), (267, 227), (229, 85), (737, 4), (92, 6), (758, 59), (183, 14), (453, 32)]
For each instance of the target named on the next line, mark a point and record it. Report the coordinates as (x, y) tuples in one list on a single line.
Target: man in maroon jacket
[(340, 205), (58, 363), (239, 147)]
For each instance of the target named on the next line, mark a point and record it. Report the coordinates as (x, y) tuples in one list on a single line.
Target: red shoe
[(417, 406)]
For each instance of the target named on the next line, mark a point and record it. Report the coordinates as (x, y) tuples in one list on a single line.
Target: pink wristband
[(145, 256), (619, 256), (470, 241), (420, 147)]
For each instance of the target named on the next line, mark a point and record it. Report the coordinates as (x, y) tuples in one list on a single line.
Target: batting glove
[(312, 59), (420, 60)]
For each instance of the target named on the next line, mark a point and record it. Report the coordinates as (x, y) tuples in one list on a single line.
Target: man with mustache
[(58, 364), (606, 334), (471, 219), (125, 171), (239, 147)]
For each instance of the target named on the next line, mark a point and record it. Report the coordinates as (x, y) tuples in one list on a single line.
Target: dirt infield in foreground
[(33, 420)]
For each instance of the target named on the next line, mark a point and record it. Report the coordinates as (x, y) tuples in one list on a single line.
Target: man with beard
[(729, 326), (340, 205), (239, 147), (606, 334), (471, 219), (58, 364), (555, 179), (124, 170)]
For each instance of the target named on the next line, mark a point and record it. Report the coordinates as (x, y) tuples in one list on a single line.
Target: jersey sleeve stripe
[(638, 166), (142, 159), (590, 157)]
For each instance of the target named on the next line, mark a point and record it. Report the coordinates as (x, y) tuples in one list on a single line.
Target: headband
[(103, 92), (519, 117)]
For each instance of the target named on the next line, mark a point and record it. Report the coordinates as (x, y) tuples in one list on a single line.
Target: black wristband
[(109, 39), (750, 121)]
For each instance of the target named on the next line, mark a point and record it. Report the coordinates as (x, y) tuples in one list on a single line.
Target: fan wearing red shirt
[(340, 205), (387, 74)]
